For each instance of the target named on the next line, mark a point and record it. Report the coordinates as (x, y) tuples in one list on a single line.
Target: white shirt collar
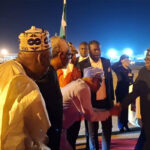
[(82, 58), (92, 61)]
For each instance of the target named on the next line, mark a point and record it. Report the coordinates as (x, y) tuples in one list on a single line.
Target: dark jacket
[(108, 81), (51, 93), (141, 88), (123, 82)]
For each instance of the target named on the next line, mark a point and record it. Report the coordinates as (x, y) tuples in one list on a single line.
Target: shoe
[(121, 130), (127, 129)]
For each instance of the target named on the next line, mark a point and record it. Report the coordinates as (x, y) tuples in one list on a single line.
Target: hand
[(74, 59), (133, 107), (45, 140), (115, 111), (76, 73), (130, 74)]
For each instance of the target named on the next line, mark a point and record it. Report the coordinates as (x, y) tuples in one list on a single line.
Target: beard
[(147, 65)]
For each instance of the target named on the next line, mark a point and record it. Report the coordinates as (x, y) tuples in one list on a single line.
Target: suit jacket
[(141, 88), (108, 103), (49, 87), (77, 61)]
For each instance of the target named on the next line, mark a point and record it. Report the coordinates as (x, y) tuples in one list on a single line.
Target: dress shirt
[(77, 102), (82, 58), (101, 93)]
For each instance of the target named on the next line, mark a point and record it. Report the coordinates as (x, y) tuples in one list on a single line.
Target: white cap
[(92, 72), (34, 40)]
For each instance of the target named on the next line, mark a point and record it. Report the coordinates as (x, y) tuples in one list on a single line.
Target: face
[(84, 50), (44, 63), (37, 64), (65, 54), (125, 62), (147, 62), (65, 57), (95, 51)]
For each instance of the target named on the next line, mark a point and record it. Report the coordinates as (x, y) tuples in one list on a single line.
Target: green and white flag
[(63, 22)]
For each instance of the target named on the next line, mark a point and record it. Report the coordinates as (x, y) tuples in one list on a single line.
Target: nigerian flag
[(63, 22)]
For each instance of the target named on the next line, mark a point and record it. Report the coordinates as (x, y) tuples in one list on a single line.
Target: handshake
[(115, 111)]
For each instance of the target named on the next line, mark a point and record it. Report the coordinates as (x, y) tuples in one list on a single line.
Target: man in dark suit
[(50, 90), (102, 99)]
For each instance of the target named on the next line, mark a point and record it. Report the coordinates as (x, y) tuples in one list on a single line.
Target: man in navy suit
[(103, 98)]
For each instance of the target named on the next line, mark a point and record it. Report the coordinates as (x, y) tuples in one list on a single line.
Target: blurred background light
[(112, 53), (4, 52), (128, 51)]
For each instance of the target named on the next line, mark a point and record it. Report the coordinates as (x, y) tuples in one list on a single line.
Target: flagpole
[(65, 7), (63, 27)]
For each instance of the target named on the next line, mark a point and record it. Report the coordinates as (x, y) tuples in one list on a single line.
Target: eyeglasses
[(68, 54)]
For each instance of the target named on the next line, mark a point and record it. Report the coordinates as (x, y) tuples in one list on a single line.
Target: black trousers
[(141, 140), (123, 119), (72, 134), (92, 134), (54, 138)]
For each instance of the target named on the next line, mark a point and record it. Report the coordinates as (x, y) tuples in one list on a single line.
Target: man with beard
[(103, 98)]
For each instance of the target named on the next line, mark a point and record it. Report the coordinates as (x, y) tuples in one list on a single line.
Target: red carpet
[(123, 144), (116, 144)]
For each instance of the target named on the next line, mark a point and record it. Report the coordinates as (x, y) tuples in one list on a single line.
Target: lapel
[(104, 63), (86, 63), (77, 60)]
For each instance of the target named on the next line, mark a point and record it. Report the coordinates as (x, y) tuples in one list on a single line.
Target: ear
[(122, 61), (44, 59), (61, 56)]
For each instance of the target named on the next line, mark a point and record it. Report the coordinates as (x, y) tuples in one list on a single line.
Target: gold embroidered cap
[(34, 40)]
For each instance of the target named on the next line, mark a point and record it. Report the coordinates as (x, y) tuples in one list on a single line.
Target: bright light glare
[(112, 53), (145, 53), (4, 52), (128, 51)]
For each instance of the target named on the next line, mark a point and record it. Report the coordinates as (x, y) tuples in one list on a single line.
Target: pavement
[(134, 133)]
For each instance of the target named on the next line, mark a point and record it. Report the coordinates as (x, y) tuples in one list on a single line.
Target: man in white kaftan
[(23, 116)]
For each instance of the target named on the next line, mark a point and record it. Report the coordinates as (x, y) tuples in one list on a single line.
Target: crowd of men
[(46, 91)]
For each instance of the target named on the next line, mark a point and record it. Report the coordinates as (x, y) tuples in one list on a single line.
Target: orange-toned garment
[(67, 75)]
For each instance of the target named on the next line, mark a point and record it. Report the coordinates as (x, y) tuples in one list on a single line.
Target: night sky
[(115, 24)]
